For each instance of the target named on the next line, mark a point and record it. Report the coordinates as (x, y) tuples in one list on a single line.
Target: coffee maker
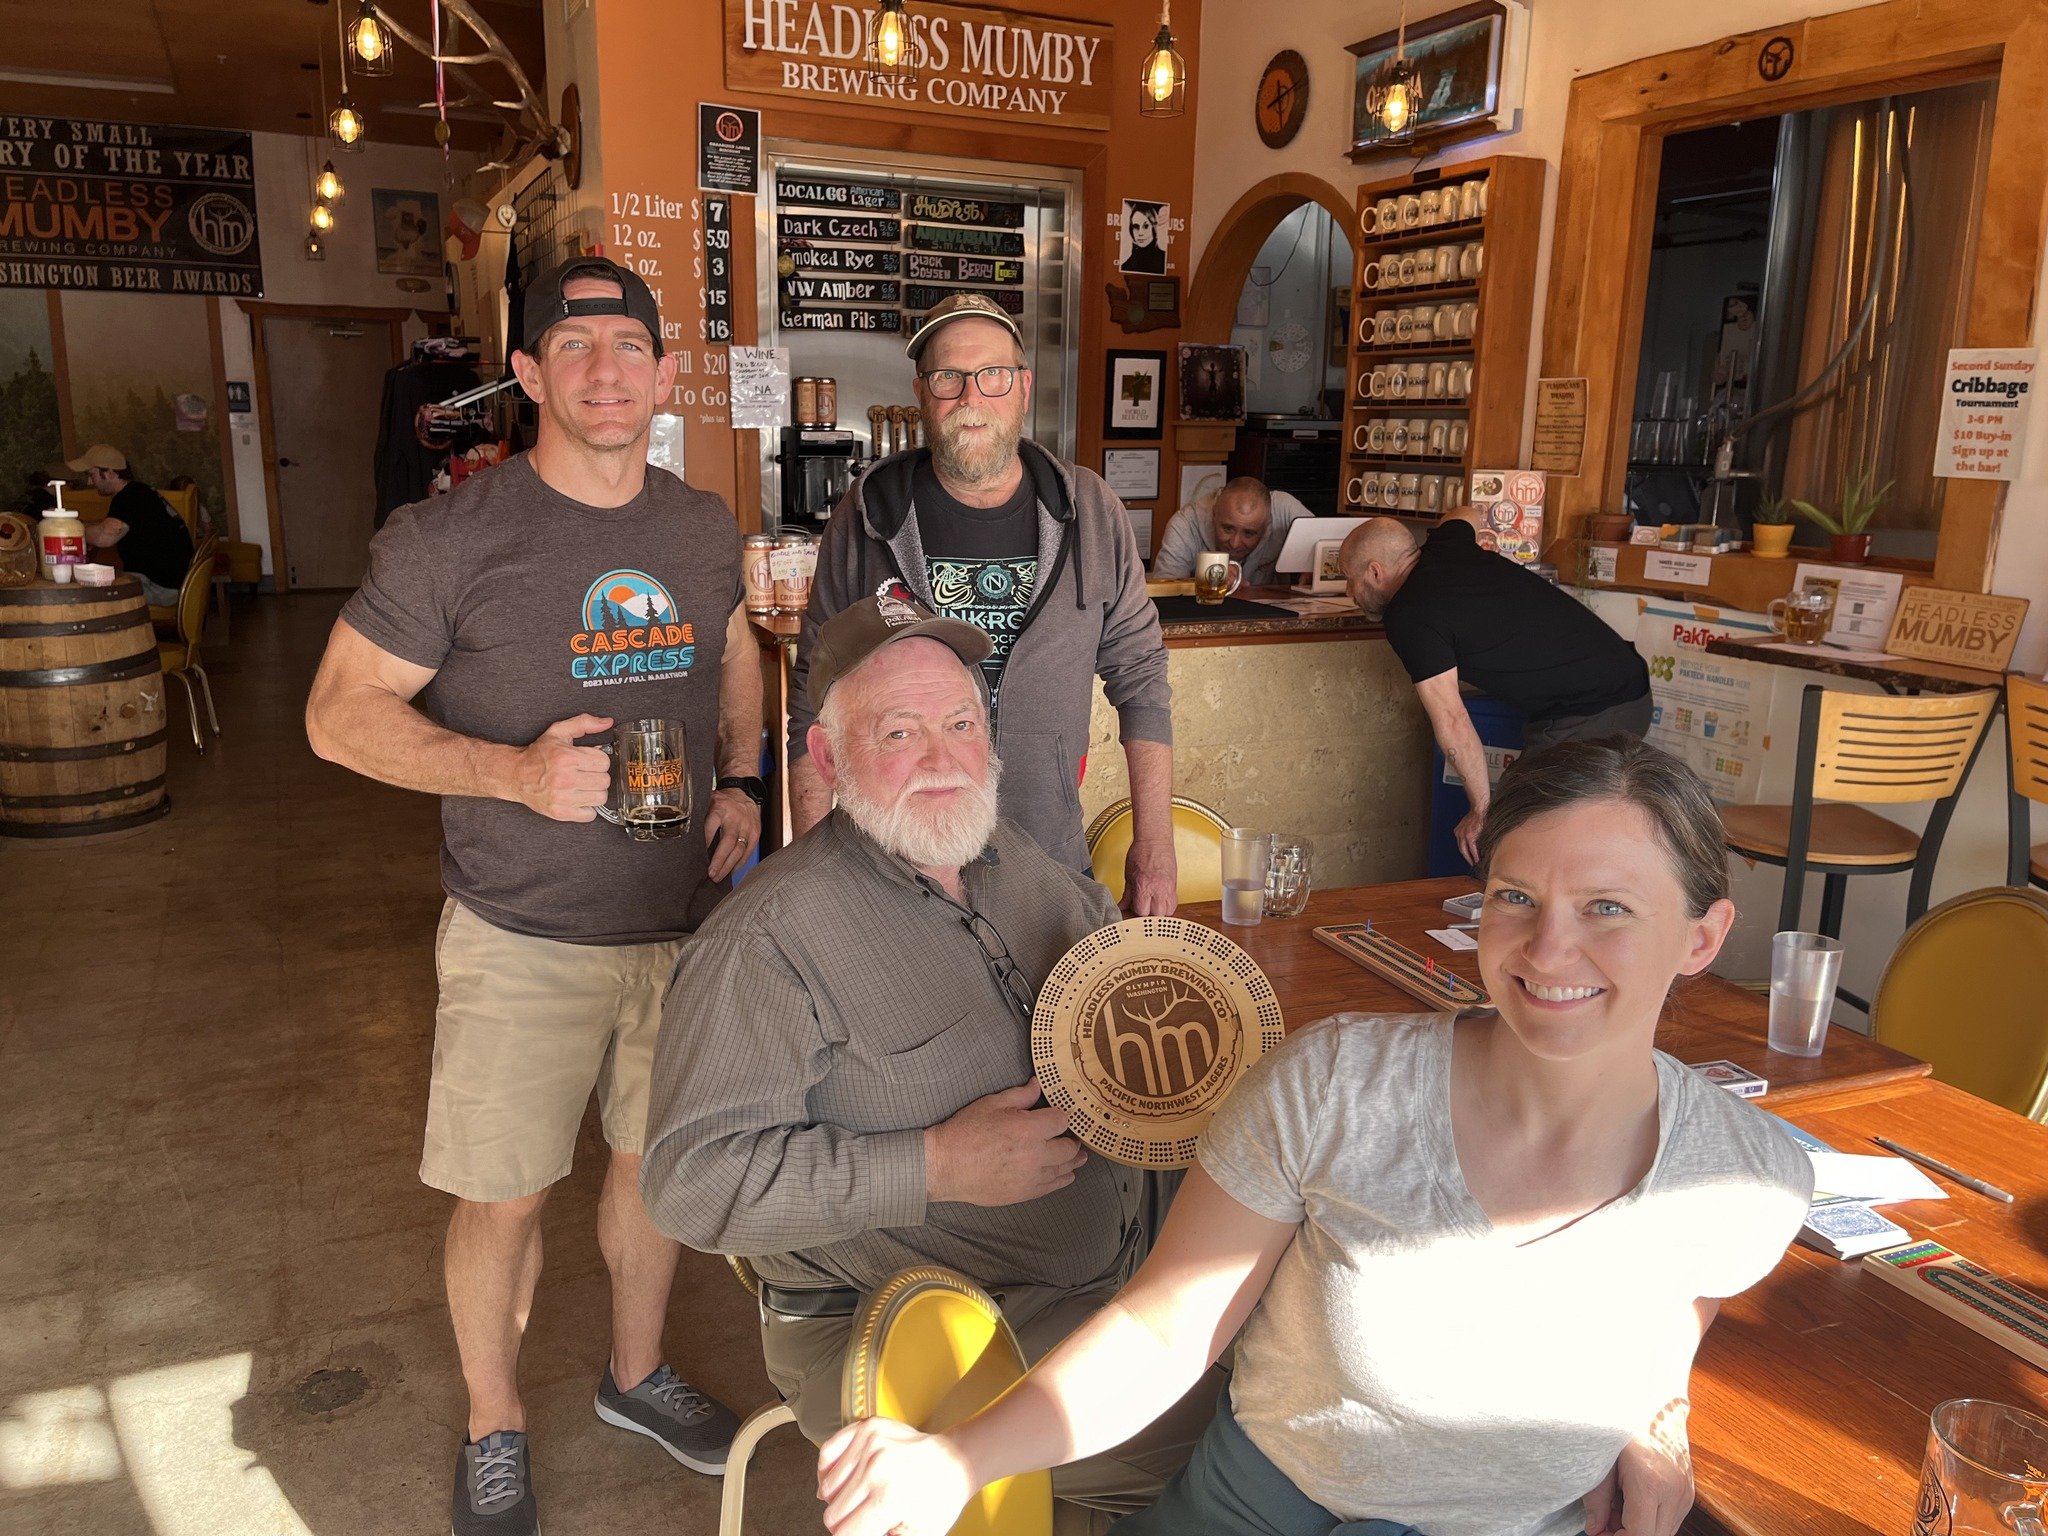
[(818, 464)]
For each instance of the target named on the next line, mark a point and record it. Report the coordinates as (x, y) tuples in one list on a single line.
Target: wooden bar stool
[(2026, 764), (1860, 747)]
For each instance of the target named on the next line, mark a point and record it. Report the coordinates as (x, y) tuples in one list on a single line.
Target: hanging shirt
[(982, 562)]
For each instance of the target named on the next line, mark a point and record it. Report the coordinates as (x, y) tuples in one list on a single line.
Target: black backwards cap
[(546, 305)]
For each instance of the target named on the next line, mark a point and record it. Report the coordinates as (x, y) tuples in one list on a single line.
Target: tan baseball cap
[(98, 456), (960, 306), (855, 633)]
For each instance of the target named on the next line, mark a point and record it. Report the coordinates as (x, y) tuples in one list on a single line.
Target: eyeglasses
[(950, 383), (1013, 981)]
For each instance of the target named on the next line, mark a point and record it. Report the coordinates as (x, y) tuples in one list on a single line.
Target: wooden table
[(1707, 1019), (1895, 674), (1812, 1391)]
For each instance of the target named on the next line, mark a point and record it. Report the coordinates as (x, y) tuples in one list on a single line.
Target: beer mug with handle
[(650, 779)]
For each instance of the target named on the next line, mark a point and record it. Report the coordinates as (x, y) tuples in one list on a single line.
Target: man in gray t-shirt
[(501, 633), (1246, 521)]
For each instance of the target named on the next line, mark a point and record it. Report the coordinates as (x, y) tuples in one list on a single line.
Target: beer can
[(828, 402), (804, 401), (754, 555), (793, 588)]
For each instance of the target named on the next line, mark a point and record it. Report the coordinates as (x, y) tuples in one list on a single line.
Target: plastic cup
[(1247, 855), (1804, 970)]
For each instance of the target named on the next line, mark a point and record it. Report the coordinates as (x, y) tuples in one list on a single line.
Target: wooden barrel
[(82, 717)]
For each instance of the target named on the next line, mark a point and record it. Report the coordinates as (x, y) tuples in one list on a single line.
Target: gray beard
[(946, 841), (975, 468)]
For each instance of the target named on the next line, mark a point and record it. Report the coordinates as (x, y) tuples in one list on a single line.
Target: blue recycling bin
[(1500, 731)]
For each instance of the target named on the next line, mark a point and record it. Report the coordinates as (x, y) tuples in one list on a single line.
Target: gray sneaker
[(688, 1425), (494, 1488)]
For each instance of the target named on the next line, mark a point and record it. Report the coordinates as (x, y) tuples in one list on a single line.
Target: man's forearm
[(383, 737), (1467, 754), (740, 696), (1151, 768)]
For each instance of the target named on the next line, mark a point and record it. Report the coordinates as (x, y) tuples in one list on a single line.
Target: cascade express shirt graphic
[(629, 632)]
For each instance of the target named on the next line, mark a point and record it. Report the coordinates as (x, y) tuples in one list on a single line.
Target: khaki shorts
[(525, 1029)]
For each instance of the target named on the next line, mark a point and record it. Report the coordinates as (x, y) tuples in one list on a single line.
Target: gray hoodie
[(1090, 617)]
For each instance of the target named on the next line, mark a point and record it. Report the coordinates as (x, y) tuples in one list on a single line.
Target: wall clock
[(1282, 100)]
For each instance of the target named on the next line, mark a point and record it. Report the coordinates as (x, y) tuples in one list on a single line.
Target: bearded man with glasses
[(843, 1084), (986, 527)]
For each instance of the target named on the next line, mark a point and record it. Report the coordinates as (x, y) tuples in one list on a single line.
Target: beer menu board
[(841, 244)]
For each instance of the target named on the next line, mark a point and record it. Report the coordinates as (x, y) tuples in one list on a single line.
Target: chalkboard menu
[(838, 252)]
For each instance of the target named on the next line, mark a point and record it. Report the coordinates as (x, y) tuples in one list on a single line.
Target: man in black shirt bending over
[(151, 539), (1455, 612)]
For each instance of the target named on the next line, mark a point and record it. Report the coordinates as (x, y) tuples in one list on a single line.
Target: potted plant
[(1771, 530), (1848, 544)]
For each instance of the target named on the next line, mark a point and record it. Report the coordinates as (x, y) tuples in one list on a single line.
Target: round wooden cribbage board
[(1142, 1029)]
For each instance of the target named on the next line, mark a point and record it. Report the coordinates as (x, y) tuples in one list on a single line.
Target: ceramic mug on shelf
[(1411, 211), (1390, 489), (1465, 321), (1458, 379), (1417, 376), (1471, 259), (1368, 492), (1409, 267), (1447, 260), (1455, 437), (1386, 216), (1418, 436), (1375, 436), (1376, 383), (1439, 437), (1354, 491), (1439, 381), (1404, 325), (1369, 273), (1471, 199), (1409, 498), (1454, 492), (1447, 322), (1432, 213), (1360, 437), (1479, 199), (1383, 325), (1432, 494)]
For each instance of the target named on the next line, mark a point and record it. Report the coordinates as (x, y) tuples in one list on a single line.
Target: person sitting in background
[(1456, 612), (1472, 1257), (843, 1084), (151, 539), (1246, 521)]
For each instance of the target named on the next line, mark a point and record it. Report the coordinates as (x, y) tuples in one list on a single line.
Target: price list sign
[(647, 229)]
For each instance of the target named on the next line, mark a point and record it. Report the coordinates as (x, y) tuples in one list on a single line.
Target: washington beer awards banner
[(127, 208)]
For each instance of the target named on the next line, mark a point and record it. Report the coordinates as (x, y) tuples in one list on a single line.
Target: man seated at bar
[(1456, 613), (843, 1085), (141, 527), (1472, 1258), (1246, 521)]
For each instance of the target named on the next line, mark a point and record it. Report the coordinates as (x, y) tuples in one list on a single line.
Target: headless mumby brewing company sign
[(966, 60)]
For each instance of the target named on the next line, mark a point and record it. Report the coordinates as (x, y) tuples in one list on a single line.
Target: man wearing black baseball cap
[(987, 527), (570, 579)]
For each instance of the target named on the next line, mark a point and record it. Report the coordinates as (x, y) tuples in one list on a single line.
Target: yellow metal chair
[(205, 552), (180, 657), (2026, 765), (931, 1348), (1863, 747), (1963, 992), (733, 1496), (1197, 848)]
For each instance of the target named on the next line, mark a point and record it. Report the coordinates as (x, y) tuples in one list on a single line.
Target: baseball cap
[(960, 306), (856, 632), (545, 304), (98, 456)]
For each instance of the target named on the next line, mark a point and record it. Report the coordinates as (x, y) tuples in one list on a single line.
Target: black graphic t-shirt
[(982, 562), (533, 608)]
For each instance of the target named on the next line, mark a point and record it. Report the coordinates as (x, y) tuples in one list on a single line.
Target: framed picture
[(1327, 575), (1457, 58), (1211, 382), (1141, 242), (408, 230), (1134, 398), (1133, 473)]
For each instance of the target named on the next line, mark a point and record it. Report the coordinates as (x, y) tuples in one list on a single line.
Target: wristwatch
[(751, 786)]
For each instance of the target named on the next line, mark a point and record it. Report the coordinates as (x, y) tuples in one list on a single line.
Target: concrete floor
[(220, 1283)]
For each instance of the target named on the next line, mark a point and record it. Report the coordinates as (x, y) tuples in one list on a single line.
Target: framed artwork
[(1134, 398), (1211, 382), (1457, 58), (1133, 473), (1327, 574), (408, 229), (1141, 242)]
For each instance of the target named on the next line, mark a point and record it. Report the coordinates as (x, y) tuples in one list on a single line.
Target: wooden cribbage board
[(1981, 1301), (1442, 988)]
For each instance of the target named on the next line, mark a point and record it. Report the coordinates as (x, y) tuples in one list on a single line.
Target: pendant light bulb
[(1397, 108), (346, 123), (892, 35), (315, 249), (328, 187), (369, 42), (323, 217), (1163, 87)]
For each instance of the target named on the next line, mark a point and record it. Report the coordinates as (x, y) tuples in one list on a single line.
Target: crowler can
[(754, 553), (804, 400), (827, 410), (793, 587)]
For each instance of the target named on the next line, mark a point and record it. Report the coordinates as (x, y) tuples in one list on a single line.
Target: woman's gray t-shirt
[(1410, 1363)]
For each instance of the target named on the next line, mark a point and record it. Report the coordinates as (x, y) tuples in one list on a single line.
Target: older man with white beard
[(986, 527), (843, 1084)]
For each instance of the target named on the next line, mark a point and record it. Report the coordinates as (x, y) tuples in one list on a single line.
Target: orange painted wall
[(656, 59)]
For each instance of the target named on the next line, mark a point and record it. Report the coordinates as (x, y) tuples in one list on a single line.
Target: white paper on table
[(1453, 938), (1872, 1180), (1865, 601)]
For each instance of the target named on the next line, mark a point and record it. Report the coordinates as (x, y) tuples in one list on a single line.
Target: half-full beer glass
[(650, 779)]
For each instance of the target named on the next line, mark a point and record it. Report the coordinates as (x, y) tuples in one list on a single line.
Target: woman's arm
[(1112, 1376), (1649, 1491)]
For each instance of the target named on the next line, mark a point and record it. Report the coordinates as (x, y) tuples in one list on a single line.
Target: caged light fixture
[(369, 42), (1163, 88), (327, 187), (1391, 95), (892, 53), (316, 248)]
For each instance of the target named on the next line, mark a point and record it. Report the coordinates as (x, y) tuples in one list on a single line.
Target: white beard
[(940, 837), (966, 466)]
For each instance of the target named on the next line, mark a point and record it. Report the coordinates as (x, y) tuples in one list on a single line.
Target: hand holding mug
[(559, 779)]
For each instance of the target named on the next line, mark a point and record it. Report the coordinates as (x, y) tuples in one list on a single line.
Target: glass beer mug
[(650, 779), (1803, 617)]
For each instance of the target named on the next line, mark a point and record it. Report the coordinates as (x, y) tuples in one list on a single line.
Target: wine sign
[(838, 194), (827, 226), (841, 320), (971, 242), (803, 258), (964, 269), (945, 208), (919, 297), (844, 290)]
